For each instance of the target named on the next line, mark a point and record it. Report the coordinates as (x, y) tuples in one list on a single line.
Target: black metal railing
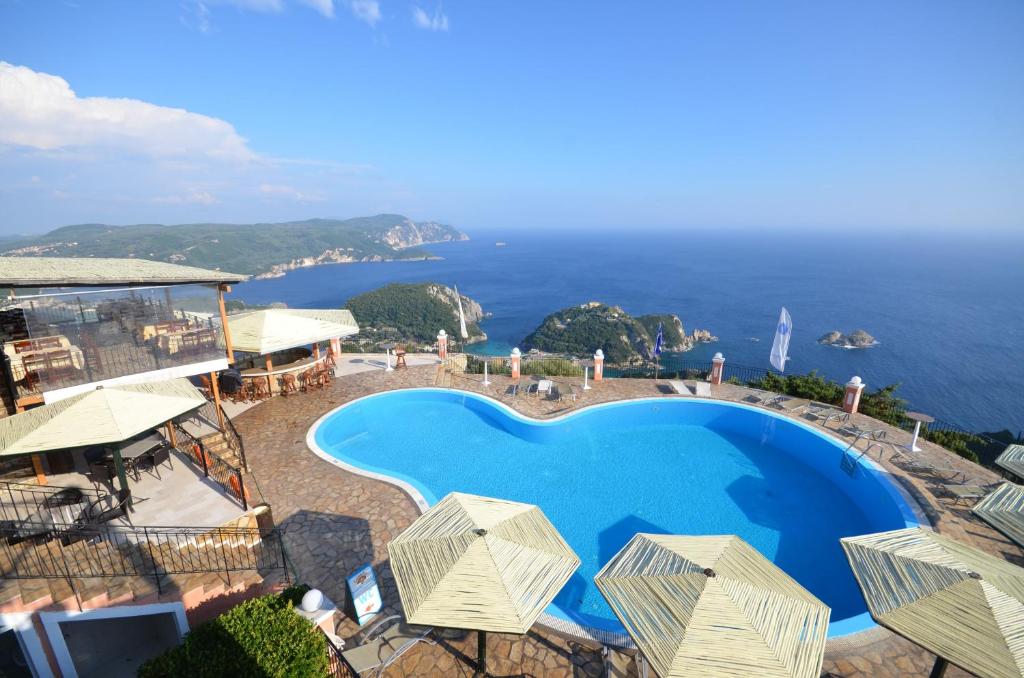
[(21, 501), (74, 551), (228, 477), (207, 415)]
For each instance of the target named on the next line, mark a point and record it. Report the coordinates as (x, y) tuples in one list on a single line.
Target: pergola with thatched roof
[(104, 416)]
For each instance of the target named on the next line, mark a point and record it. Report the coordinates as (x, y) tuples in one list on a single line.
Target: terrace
[(335, 521)]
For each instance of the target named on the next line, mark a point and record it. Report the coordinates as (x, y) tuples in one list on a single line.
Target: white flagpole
[(586, 373), (486, 382)]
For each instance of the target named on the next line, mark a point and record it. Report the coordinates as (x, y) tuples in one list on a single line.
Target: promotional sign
[(365, 594)]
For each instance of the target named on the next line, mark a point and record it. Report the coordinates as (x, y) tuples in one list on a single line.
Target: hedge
[(261, 637)]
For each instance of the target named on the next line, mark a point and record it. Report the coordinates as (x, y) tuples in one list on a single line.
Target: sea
[(946, 310)]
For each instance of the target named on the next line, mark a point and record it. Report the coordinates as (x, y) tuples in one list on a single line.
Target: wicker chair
[(289, 385)]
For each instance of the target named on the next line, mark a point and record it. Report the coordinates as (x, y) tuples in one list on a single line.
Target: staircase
[(220, 443)]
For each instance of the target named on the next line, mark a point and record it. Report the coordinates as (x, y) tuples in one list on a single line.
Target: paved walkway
[(336, 521)]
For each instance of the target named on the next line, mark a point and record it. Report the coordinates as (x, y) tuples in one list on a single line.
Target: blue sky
[(825, 115)]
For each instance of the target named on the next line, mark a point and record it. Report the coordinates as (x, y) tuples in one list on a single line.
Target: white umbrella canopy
[(713, 605), (963, 605), (106, 415), (276, 329), (1003, 509), (479, 563)]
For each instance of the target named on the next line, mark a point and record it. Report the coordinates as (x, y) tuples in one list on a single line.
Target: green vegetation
[(581, 330), (412, 313), (244, 248), (548, 367), (672, 329), (260, 637), (882, 404)]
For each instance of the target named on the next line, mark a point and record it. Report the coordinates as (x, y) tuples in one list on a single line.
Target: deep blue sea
[(948, 312)]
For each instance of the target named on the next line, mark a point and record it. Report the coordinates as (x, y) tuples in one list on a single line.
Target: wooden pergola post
[(172, 435), (122, 477), (216, 398), (222, 289), (37, 466), (270, 379)]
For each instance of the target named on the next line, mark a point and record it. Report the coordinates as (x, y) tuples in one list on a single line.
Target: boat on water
[(499, 244)]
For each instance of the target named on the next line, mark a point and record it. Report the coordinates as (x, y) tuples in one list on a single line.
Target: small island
[(625, 340), (855, 339), (412, 314)]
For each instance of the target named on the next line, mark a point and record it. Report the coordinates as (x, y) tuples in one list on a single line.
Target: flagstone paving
[(336, 521)]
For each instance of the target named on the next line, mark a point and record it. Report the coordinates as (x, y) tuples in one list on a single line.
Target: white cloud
[(437, 22), (193, 198), (325, 7), (280, 190), (41, 111), (366, 10)]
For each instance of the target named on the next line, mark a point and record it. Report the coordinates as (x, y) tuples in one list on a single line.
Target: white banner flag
[(780, 347)]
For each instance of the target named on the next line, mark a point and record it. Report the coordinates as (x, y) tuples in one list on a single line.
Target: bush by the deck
[(260, 637)]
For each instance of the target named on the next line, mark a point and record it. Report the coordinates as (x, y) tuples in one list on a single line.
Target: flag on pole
[(658, 341), (462, 318), (780, 347)]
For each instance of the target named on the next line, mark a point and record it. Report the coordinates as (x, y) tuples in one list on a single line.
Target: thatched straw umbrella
[(480, 564), (698, 606), (106, 415), (961, 604), (1003, 509)]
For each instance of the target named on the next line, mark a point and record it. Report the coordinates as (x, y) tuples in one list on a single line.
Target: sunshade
[(106, 415), (473, 562), (277, 329), (1003, 509), (1012, 459), (713, 605), (959, 603)]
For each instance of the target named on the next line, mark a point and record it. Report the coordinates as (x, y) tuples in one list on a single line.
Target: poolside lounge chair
[(788, 403), (861, 433), (382, 643), (617, 663), (545, 386), (967, 493), (567, 391), (759, 397), (825, 413), (921, 467), (680, 388), (702, 389)]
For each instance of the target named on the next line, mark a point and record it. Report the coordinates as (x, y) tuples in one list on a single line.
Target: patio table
[(918, 419)]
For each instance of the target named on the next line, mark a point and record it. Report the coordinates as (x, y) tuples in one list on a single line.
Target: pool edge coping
[(565, 625)]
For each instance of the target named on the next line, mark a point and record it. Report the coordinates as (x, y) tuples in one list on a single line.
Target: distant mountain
[(265, 250), (414, 313), (580, 330)]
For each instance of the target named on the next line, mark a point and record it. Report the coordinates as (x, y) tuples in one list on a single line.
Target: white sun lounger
[(702, 389), (680, 387)]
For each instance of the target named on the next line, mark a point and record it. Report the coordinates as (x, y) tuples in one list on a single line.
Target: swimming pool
[(604, 473)]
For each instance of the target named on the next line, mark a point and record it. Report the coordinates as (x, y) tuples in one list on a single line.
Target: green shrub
[(260, 637)]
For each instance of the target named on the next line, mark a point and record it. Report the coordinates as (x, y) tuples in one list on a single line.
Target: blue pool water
[(605, 473)]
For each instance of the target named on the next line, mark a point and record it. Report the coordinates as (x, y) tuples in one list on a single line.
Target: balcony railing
[(61, 340)]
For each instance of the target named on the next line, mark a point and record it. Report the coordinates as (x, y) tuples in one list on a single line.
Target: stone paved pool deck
[(336, 521)]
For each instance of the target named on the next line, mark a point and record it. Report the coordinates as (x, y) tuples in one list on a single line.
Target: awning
[(104, 416), (272, 330)]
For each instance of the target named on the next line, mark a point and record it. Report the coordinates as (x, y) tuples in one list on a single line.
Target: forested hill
[(414, 313), (268, 248), (580, 330)]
